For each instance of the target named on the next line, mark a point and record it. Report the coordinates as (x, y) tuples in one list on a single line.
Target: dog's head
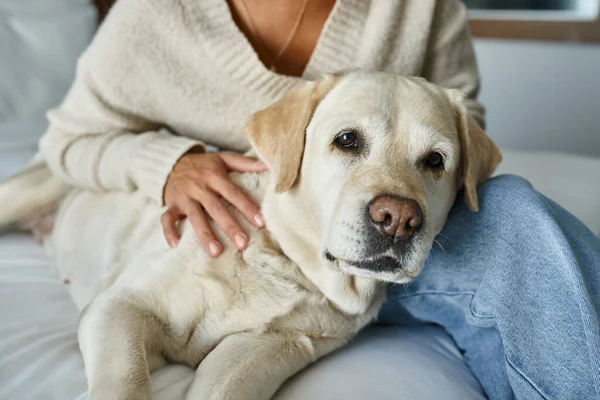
[(365, 168)]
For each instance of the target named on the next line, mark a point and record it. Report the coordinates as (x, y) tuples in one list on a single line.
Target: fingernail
[(214, 248), (240, 241), (259, 220), (173, 243)]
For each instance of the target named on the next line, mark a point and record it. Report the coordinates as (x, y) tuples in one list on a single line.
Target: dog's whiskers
[(446, 237), (405, 286), (439, 244)]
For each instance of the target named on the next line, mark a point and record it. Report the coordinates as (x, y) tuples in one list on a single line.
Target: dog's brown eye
[(346, 140), (435, 160)]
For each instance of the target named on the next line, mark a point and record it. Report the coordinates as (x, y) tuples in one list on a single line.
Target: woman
[(517, 285)]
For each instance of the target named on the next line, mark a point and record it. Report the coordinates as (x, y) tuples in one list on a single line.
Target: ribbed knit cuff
[(154, 162)]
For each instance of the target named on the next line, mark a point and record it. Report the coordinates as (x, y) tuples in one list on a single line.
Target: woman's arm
[(104, 137), (91, 145), (450, 60)]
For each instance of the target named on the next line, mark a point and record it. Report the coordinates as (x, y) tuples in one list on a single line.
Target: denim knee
[(509, 192), (507, 181), (514, 183), (511, 216)]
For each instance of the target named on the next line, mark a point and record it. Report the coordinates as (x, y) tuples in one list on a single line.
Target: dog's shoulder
[(254, 184)]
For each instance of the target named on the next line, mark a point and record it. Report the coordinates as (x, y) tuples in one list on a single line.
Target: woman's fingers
[(195, 185), (239, 199), (236, 162), (215, 207), (202, 229), (168, 222)]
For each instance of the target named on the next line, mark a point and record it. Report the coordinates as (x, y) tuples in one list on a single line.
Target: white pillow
[(40, 41), (571, 180)]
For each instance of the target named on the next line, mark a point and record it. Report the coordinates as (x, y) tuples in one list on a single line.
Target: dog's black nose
[(396, 217)]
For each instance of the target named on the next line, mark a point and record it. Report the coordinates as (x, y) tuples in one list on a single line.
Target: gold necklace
[(289, 39)]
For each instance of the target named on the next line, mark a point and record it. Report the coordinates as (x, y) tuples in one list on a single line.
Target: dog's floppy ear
[(277, 132), (479, 154)]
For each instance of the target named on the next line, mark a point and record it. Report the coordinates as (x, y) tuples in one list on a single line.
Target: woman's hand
[(198, 183)]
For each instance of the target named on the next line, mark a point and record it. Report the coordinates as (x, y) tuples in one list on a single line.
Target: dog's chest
[(234, 293)]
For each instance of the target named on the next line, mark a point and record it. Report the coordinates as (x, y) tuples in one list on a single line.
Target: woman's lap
[(516, 286)]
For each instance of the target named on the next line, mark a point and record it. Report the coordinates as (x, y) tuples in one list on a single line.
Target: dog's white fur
[(249, 320)]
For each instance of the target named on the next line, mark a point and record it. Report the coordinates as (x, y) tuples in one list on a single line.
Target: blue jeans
[(517, 286)]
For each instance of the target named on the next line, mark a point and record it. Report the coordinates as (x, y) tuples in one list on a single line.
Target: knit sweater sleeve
[(105, 135), (450, 60)]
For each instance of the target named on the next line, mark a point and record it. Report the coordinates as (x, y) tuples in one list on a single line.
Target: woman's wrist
[(153, 163)]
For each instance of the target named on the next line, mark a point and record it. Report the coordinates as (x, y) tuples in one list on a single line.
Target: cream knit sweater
[(184, 66)]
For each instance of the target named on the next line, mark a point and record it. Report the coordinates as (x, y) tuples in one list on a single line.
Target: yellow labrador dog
[(364, 169)]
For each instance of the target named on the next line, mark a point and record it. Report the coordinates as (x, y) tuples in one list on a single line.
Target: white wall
[(541, 95)]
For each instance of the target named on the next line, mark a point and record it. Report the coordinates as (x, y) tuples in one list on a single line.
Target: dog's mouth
[(379, 264), (383, 267)]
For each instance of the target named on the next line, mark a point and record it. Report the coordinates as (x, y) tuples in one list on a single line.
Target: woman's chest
[(215, 112)]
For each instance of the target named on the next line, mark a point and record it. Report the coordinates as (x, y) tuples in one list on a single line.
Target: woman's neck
[(283, 33)]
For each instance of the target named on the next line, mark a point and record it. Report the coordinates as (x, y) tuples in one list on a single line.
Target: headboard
[(103, 6)]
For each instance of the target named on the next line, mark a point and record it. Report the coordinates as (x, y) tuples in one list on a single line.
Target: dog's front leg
[(114, 336), (252, 366)]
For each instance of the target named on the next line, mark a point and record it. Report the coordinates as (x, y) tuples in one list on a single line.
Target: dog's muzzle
[(392, 223), (389, 239)]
